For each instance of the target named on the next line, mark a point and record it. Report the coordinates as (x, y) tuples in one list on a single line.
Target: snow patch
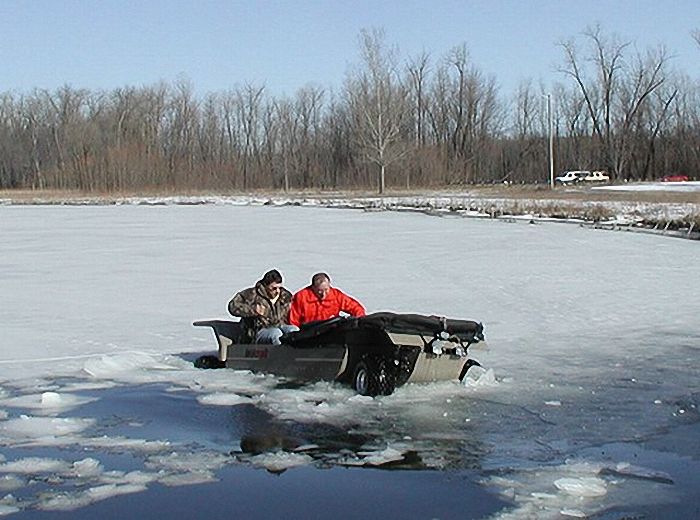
[(652, 186)]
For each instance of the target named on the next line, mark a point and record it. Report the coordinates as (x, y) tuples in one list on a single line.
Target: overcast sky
[(286, 44)]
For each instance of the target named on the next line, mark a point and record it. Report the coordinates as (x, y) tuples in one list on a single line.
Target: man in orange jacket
[(320, 301)]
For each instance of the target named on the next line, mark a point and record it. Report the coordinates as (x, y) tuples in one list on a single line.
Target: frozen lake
[(588, 406)]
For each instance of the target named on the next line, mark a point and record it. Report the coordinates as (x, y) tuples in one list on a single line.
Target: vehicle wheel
[(374, 376), (208, 362), (465, 368), (406, 361)]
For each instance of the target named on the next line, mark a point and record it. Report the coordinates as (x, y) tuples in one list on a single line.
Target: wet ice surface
[(588, 406)]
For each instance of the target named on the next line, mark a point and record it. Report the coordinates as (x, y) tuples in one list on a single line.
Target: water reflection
[(394, 446)]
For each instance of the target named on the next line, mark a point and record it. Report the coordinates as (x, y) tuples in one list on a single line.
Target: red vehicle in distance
[(674, 178)]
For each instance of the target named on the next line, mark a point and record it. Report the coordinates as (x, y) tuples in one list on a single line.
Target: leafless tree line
[(420, 122)]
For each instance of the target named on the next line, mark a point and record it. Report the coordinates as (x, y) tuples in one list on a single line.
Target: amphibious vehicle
[(374, 354)]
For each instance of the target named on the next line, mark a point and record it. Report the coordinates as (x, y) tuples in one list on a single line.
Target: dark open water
[(318, 491), (404, 489)]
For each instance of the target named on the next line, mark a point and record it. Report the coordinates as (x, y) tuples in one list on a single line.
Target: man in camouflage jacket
[(263, 310)]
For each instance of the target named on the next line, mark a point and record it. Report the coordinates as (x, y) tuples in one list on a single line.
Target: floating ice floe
[(280, 460), (545, 492), (36, 465), (582, 486), (33, 429), (47, 402), (136, 477), (63, 501), (626, 469), (374, 458), (221, 399), (188, 462), (320, 402), (126, 443), (361, 399), (188, 478), (87, 468), (11, 482), (133, 367), (479, 377), (7, 509)]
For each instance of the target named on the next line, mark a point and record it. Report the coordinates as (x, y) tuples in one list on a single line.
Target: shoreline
[(667, 210)]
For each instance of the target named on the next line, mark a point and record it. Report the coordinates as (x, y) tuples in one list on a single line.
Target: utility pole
[(551, 140)]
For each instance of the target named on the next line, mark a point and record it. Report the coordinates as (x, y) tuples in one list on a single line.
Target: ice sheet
[(593, 338)]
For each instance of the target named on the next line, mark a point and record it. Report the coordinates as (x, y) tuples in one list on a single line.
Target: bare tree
[(528, 133), (288, 131), (464, 115), (378, 102), (418, 69), (615, 91), (32, 126), (307, 115), (249, 102), (423, 123), (338, 144)]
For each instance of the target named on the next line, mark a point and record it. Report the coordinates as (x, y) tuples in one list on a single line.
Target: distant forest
[(395, 123)]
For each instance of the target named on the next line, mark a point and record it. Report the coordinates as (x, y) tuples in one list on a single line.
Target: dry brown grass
[(586, 194), (516, 193)]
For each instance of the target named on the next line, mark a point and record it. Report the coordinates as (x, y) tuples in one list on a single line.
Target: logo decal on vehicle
[(260, 353)]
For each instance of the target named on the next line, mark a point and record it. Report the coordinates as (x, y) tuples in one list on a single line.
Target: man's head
[(321, 285), (272, 281)]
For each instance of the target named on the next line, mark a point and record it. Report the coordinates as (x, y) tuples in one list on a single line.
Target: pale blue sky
[(286, 44)]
